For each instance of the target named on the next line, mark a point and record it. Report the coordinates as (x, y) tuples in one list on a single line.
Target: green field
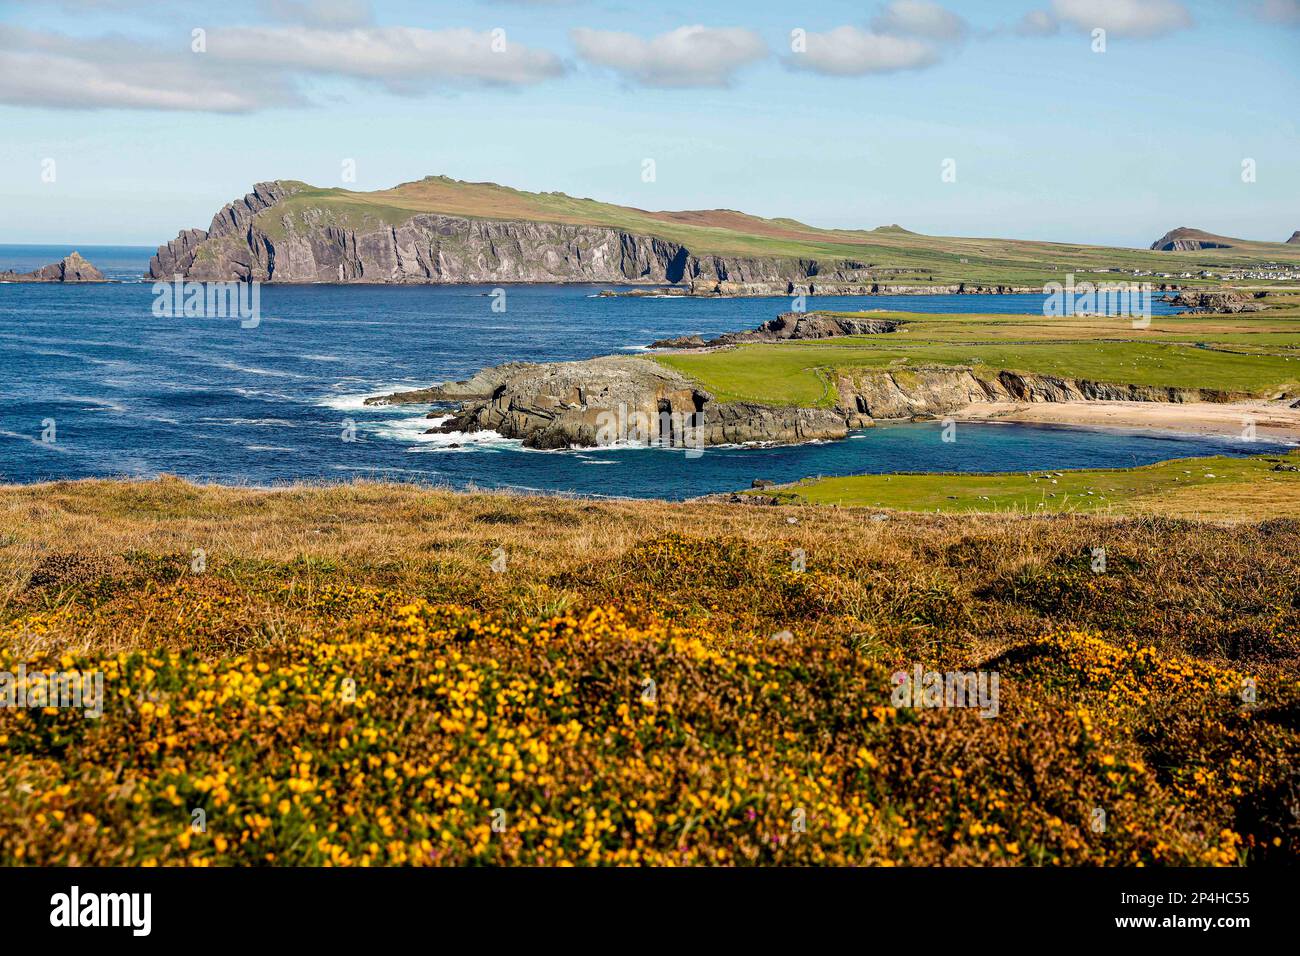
[(1218, 487), (916, 258), (1254, 354)]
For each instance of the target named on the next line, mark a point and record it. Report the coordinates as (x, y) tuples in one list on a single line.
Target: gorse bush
[(648, 684)]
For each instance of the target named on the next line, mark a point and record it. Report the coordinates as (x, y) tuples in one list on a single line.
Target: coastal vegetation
[(379, 674), (1255, 355)]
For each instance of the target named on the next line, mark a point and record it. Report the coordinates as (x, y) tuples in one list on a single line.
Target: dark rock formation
[(1205, 303), (1295, 238), (613, 400), (788, 326), (680, 342), (72, 268)]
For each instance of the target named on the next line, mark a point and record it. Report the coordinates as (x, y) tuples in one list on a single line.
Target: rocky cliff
[(620, 399), (257, 238), (72, 268), (612, 400), (937, 390)]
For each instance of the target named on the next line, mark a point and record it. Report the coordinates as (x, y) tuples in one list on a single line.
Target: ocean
[(125, 393)]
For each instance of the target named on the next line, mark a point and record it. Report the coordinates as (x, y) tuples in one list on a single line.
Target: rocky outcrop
[(619, 399), (788, 326), (232, 247), (1186, 239), (258, 238), (613, 400), (71, 268), (1206, 303), (1295, 238)]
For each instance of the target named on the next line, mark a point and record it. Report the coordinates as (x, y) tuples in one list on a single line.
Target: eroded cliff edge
[(260, 237)]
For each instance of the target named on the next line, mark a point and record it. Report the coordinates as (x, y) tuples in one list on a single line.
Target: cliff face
[(904, 393), (247, 240)]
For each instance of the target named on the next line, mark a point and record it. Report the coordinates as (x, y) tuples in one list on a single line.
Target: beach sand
[(1273, 421)]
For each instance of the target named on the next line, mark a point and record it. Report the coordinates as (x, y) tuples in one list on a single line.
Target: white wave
[(254, 370), (415, 430), (105, 403), (52, 446), (270, 448), (354, 402), (257, 422)]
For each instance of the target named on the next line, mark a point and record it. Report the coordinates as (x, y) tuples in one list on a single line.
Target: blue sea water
[(132, 394)]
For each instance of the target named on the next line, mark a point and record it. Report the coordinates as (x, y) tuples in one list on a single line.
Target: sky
[(126, 121)]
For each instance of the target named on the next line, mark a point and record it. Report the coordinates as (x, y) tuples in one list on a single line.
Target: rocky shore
[(623, 399)]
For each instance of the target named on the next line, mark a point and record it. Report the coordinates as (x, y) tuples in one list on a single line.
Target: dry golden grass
[(523, 688)]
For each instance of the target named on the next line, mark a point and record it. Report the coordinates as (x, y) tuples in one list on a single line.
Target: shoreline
[(1273, 421)]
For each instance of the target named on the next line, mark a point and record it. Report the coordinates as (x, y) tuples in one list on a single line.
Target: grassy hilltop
[(918, 258), (346, 680)]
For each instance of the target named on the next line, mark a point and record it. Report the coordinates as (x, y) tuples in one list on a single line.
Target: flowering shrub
[(429, 734)]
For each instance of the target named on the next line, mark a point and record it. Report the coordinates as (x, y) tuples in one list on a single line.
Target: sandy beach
[(1275, 421)]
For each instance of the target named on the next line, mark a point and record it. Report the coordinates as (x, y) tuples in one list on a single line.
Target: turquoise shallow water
[(133, 394)]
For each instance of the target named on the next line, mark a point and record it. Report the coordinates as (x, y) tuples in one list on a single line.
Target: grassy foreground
[(1221, 488), (345, 679)]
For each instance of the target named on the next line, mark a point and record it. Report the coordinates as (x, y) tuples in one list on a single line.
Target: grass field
[(727, 232), (346, 680), (1257, 354), (1219, 488)]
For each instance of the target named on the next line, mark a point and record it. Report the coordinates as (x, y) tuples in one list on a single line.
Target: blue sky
[(1051, 140)]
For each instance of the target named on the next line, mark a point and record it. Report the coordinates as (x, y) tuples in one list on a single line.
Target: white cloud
[(1038, 23), (850, 51), (322, 13), (404, 59), (1124, 18), (921, 18), (687, 56), (1285, 12), (112, 72)]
